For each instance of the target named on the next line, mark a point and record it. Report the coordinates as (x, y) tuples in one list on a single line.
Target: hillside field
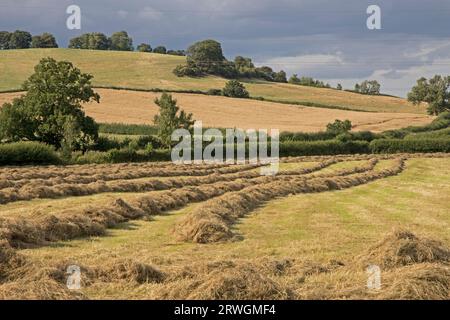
[(148, 70), (121, 106)]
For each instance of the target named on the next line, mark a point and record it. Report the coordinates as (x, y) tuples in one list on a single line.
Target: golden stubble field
[(122, 106)]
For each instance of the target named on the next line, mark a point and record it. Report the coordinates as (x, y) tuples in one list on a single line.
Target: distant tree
[(235, 89), (370, 87), (143, 47), (54, 94), (170, 118), (357, 88), (206, 55), (91, 41), (435, 92), (339, 86), (266, 73), (121, 41), (46, 40), (338, 127), (19, 40), (176, 52), (294, 79), (160, 49), (280, 77), (5, 37)]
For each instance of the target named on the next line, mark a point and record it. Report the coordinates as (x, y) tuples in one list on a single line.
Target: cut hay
[(225, 281), (213, 220), (424, 281), (402, 248)]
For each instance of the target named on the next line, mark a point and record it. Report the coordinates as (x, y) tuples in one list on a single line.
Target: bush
[(357, 136), (128, 129), (327, 147), (306, 136), (339, 127), (436, 134), (214, 92), (187, 71), (22, 153), (235, 89), (409, 146)]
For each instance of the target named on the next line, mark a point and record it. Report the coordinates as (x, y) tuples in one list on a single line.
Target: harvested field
[(138, 108), (159, 231)]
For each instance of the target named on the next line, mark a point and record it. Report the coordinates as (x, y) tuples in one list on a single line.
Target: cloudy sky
[(327, 40)]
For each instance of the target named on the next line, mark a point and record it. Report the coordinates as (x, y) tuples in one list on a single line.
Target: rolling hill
[(147, 70)]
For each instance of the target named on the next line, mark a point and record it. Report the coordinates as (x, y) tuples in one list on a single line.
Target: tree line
[(24, 40), (119, 41)]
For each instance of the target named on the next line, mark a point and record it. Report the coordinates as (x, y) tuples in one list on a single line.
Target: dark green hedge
[(23, 153), (418, 145), (128, 129), (122, 156), (327, 147)]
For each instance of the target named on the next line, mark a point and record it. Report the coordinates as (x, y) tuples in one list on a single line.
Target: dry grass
[(292, 253), (139, 108)]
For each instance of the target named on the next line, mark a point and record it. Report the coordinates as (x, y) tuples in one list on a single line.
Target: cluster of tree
[(145, 47), (24, 40), (99, 41), (435, 92), (368, 87), (308, 81), (119, 41), (51, 110), (206, 57)]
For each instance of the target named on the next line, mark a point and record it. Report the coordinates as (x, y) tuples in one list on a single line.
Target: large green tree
[(19, 40), (121, 41), (91, 41), (52, 103), (46, 40), (206, 55), (170, 118), (435, 92)]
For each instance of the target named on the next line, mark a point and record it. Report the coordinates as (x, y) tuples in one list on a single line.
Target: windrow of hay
[(412, 268), (92, 221), (370, 165), (402, 248), (213, 220), (223, 280), (21, 279), (36, 190), (359, 157), (20, 179)]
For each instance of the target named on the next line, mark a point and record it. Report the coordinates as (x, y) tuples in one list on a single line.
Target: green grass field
[(330, 226), (145, 71)]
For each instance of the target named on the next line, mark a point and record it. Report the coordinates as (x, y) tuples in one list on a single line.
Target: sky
[(328, 40)]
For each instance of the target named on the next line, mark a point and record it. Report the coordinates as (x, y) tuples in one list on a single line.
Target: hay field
[(144, 70), (121, 106), (160, 231)]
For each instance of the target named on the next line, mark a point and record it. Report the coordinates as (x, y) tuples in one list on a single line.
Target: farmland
[(124, 106), (147, 71), (160, 231)]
